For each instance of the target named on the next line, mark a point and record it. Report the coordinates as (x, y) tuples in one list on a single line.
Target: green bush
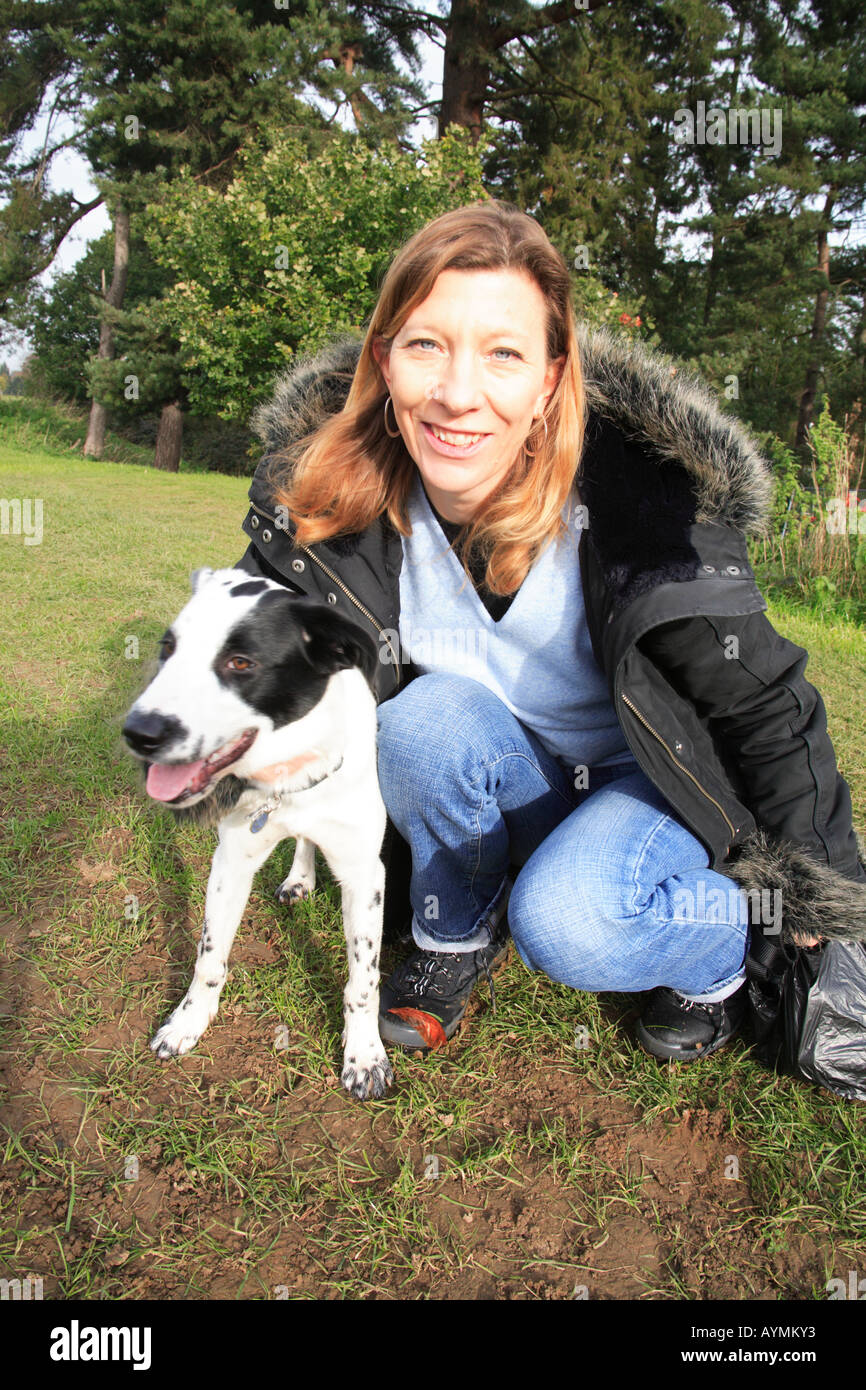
[(815, 547)]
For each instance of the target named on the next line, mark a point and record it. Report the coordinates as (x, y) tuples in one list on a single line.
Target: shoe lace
[(689, 1005), (422, 972)]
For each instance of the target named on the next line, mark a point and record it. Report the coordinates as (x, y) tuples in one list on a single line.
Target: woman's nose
[(457, 384)]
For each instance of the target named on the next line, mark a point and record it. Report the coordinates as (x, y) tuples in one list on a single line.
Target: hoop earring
[(537, 451), (385, 417)]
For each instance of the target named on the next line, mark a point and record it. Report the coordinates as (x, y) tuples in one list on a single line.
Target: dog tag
[(260, 817)]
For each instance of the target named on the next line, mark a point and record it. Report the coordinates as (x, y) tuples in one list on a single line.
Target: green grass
[(209, 444), (301, 1186), (37, 425)]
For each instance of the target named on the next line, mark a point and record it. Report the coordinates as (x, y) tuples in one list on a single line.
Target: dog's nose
[(148, 732)]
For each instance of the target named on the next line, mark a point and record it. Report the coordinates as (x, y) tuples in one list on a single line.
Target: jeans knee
[(417, 745), (437, 695), (529, 921), (434, 723), (577, 944)]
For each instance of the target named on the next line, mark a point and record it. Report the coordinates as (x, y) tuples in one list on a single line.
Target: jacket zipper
[(680, 765), (348, 592)]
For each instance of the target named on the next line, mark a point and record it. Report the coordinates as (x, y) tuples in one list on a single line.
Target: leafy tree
[(292, 252), (64, 317), (166, 84)]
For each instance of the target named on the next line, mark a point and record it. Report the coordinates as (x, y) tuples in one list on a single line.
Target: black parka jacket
[(713, 702)]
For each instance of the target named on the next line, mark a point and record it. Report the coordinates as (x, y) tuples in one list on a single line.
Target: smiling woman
[(464, 393), (474, 321), (617, 731)]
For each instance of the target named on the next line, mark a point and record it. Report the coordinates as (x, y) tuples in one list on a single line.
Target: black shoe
[(423, 1002), (682, 1030)]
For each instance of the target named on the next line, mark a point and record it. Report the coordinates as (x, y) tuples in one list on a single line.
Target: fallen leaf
[(430, 1028)]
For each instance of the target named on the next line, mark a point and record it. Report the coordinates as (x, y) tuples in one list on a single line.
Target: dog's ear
[(333, 642), (198, 577)]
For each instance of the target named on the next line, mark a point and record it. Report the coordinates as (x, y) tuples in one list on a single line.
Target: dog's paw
[(290, 893), (181, 1033), (367, 1078)]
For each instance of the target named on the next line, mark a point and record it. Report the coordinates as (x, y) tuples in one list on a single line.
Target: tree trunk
[(95, 441), (465, 68), (169, 438), (816, 339), (475, 33)]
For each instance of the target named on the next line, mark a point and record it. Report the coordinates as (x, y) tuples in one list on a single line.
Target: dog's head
[(243, 658)]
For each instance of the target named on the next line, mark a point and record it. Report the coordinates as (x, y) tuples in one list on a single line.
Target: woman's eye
[(239, 663), (420, 342)]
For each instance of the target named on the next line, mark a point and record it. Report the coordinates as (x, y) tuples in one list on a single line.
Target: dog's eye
[(166, 646), (239, 663)]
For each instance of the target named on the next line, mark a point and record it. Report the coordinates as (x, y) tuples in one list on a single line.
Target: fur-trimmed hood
[(646, 396)]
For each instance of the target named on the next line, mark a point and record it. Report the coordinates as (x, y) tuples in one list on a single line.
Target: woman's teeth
[(461, 440)]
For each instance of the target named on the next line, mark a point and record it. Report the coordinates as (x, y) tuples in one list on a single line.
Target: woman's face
[(470, 360)]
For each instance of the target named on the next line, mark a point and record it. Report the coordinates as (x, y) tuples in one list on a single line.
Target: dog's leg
[(301, 881), (238, 856), (366, 1070)]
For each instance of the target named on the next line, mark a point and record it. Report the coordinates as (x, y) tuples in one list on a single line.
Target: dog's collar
[(258, 818)]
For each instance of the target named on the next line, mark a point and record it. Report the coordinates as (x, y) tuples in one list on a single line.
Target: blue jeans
[(613, 892)]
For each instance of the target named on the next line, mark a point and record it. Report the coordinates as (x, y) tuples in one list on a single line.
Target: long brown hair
[(350, 471)]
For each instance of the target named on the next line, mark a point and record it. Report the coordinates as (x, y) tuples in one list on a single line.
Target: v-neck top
[(537, 657), (497, 605)]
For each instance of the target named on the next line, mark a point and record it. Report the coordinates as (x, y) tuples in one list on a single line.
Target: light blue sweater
[(538, 658)]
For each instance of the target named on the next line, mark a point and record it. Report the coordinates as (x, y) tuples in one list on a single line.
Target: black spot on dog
[(248, 588), (377, 898), (186, 1003), (296, 645), (212, 984)]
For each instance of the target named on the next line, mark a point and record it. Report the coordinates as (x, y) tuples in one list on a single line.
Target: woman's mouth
[(452, 443)]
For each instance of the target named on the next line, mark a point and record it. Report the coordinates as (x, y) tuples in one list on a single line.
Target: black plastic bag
[(807, 1007)]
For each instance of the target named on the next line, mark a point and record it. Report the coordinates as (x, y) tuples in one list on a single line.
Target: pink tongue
[(165, 782)]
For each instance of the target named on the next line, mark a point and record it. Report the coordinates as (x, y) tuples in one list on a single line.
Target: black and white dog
[(262, 718)]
